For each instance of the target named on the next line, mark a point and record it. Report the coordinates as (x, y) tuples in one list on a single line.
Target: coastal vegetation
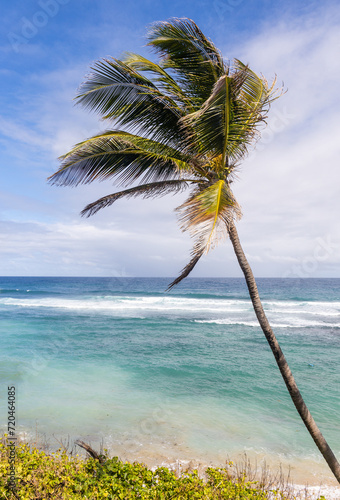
[(60, 476), (186, 121)]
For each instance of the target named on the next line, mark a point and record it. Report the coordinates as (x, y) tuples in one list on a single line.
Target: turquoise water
[(159, 376)]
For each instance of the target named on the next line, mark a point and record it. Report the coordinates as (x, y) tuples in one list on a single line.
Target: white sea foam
[(281, 314), (311, 307), (298, 324), (133, 303), (314, 492)]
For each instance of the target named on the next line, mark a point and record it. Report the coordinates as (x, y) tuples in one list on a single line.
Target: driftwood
[(90, 451)]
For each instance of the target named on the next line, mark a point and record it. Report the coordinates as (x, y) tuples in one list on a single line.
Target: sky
[(288, 187)]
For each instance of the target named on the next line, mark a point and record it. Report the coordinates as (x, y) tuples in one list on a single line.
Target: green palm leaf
[(227, 123), (120, 155), (119, 92), (146, 191), (162, 79), (194, 59), (210, 124)]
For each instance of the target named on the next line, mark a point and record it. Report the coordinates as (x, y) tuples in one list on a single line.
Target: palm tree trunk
[(281, 361)]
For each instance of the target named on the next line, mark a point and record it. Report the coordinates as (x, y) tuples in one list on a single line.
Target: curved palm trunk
[(281, 361)]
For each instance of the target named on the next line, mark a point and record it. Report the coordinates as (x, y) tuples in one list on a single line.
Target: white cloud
[(88, 249)]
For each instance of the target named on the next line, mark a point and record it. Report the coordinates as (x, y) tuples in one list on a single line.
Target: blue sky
[(288, 187)]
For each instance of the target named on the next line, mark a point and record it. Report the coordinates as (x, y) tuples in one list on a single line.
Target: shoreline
[(282, 473), (154, 448)]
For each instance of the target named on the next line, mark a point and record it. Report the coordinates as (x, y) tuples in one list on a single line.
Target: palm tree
[(186, 122)]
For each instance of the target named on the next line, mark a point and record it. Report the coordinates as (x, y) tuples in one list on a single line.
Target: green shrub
[(40, 476)]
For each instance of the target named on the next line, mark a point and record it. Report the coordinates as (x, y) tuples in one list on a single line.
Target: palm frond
[(209, 126), (195, 60), (255, 89), (207, 215), (123, 156), (253, 101), (146, 191), (162, 79), (209, 211), (227, 123), (117, 91), (196, 254)]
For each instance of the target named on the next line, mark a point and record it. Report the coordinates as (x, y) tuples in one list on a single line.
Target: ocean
[(163, 377)]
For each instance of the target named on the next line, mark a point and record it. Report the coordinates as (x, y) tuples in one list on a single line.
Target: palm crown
[(186, 121)]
